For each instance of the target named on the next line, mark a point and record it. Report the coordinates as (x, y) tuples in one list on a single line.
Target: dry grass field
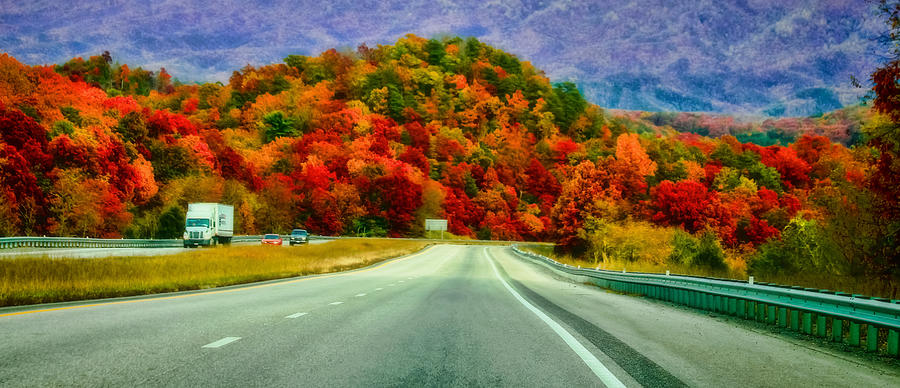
[(43, 280)]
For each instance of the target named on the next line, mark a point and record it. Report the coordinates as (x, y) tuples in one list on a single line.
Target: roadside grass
[(736, 269), (43, 280), (648, 266)]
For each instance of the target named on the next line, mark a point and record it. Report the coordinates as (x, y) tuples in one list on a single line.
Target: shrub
[(703, 252), (709, 252), (684, 246), (803, 247)]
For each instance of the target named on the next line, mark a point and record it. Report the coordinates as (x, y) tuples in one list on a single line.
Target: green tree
[(276, 125), (566, 103), (171, 223), (132, 127)]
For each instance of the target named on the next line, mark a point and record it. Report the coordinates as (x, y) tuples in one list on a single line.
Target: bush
[(803, 247), (705, 252), (684, 246), (709, 253)]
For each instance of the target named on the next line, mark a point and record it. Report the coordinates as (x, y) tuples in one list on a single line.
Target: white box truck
[(208, 224)]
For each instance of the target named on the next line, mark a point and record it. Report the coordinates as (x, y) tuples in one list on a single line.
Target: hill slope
[(374, 142)]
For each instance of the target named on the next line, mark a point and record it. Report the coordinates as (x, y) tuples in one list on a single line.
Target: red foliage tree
[(414, 157)]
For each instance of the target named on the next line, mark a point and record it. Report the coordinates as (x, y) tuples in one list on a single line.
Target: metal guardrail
[(837, 316), (77, 242)]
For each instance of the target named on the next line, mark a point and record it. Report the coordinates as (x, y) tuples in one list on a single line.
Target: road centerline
[(222, 342), (604, 374)]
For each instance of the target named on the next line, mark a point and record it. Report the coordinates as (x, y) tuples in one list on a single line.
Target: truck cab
[(208, 224)]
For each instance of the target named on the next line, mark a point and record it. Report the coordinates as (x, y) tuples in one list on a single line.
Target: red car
[(272, 239)]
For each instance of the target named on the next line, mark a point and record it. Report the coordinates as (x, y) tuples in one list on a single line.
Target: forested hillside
[(374, 141)]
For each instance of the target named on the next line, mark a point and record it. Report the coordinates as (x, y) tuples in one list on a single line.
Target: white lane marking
[(222, 342), (335, 303), (391, 285), (361, 294), (297, 315), (592, 362), (379, 289), (402, 281), (410, 278)]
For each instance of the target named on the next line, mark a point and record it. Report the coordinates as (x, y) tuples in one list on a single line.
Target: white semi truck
[(208, 224)]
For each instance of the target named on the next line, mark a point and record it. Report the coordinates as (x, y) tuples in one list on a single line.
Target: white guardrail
[(857, 320)]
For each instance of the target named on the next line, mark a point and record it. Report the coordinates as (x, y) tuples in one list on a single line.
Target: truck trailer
[(208, 224)]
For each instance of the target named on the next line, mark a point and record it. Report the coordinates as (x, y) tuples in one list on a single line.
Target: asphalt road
[(447, 316), (96, 253)]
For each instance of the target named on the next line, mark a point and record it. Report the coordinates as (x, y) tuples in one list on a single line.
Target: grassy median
[(42, 280)]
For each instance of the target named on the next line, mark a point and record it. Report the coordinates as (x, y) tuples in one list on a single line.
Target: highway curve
[(450, 315)]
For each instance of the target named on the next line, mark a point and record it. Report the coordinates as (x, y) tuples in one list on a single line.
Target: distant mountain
[(779, 58)]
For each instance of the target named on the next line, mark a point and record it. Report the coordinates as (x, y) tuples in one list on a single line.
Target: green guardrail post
[(732, 306), (854, 333), (771, 316), (837, 327), (742, 308), (872, 338), (761, 312), (821, 330), (795, 320), (751, 310), (807, 323), (893, 342)]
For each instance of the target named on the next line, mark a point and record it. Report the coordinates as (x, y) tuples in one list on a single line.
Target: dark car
[(299, 236), (272, 239)]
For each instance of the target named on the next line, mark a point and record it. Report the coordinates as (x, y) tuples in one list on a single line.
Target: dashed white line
[(361, 294), (410, 278), (607, 377), (335, 303), (297, 315), (391, 285), (402, 281), (379, 289), (222, 342)]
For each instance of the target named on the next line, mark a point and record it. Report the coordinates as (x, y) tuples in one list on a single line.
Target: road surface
[(447, 316), (96, 253)]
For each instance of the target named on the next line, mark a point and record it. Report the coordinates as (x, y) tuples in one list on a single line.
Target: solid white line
[(592, 362), (361, 294), (222, 342), (379, 289), (335, 303), (297, 315)]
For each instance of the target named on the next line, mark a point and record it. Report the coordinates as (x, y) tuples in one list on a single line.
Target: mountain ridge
[(740, 57)]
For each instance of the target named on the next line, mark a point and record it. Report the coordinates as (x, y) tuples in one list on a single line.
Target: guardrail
[(77, 242), (856, 320)]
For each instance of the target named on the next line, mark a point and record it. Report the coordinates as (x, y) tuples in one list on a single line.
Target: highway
[(450, 315), (96, 253)]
